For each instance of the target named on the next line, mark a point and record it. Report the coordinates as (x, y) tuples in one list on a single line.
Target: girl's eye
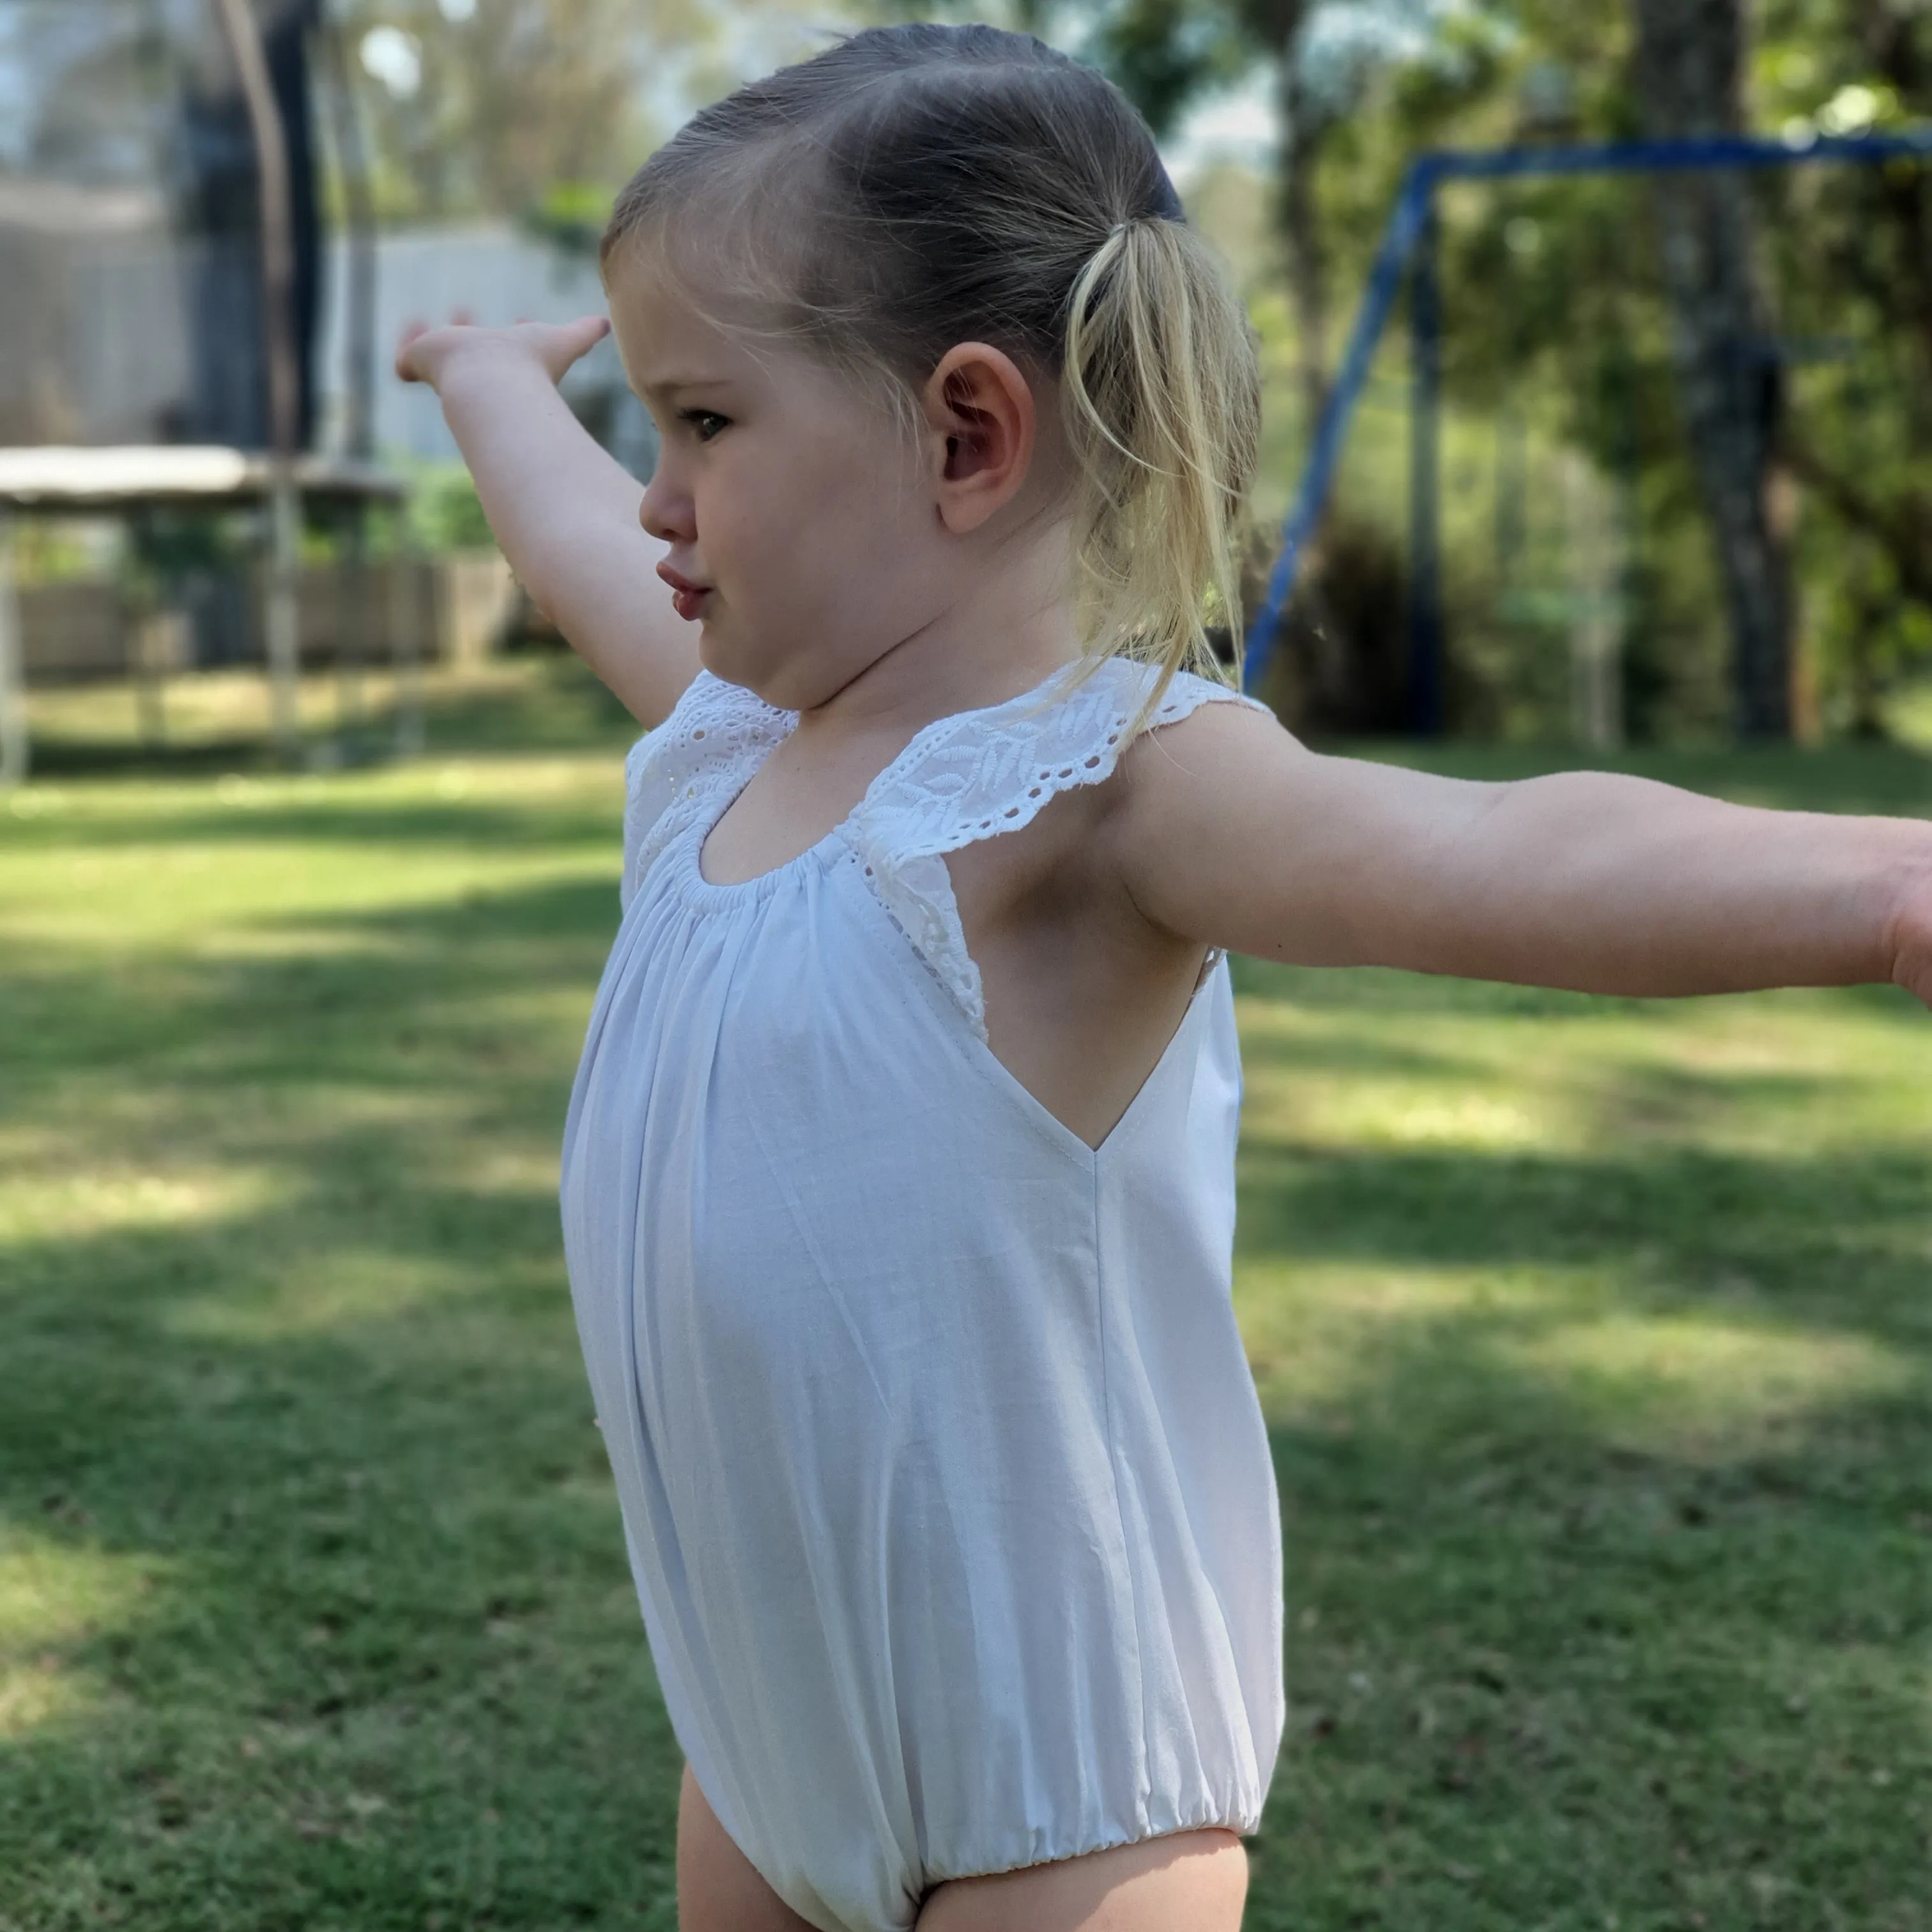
[(707, 423)]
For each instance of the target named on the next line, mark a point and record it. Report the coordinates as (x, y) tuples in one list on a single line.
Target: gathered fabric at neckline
[(967, 777), (908, 756)]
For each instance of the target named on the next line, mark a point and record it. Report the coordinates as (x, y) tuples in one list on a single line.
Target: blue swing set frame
[(1409, 255)]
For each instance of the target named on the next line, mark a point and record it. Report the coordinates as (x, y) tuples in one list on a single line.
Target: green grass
[(1596, 1339)]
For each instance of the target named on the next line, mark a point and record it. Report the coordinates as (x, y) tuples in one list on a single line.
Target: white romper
[(943, 1475)]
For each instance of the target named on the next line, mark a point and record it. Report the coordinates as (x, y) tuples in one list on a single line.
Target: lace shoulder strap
[(717, 735), (983, 773)]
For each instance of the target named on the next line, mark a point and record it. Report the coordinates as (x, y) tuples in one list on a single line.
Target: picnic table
[(55, 480)]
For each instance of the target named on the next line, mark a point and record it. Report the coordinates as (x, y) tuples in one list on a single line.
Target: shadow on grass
[(536, 701), (386, 1660), (1379, 990), (367, 819), (1837, 1242), (332, 1628), (335, 1627), (1537, 1680), (1569, 1645), (382, 1002)]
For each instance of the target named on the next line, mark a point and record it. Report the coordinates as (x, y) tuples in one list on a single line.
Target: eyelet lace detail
[(983, 773), (718, 735)]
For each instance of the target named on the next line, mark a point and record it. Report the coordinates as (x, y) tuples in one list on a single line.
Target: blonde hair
[(912, 188)]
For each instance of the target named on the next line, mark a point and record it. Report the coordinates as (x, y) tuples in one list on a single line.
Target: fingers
[(411, 366), (586, 332), (414, 330), (587, 329), (423, 347), (567, 342)]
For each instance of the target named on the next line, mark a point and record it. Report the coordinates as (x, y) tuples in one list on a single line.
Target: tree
[(1164, 53), (1690, 71), (1856, 440), (1343, 640), (490, 106), (1759, 390), (1307, 118)]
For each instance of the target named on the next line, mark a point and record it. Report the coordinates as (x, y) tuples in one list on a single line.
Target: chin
[(745, 668), (788, 677)]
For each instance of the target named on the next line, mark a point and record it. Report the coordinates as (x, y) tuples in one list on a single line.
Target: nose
[(667, 512)]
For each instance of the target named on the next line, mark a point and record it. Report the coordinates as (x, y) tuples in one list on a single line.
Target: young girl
[(897, 1182)]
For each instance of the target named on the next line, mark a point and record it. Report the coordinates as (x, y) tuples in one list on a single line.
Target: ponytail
[(1161, 399)]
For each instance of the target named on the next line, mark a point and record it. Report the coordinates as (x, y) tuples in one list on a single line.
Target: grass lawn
[(1596, 1339)]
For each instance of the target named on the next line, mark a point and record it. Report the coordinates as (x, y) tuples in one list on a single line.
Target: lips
[(687, 598)]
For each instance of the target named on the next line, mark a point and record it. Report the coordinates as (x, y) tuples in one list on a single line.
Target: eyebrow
[(668, 385)]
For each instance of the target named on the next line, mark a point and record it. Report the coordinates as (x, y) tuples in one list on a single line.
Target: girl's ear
[(981, 413)]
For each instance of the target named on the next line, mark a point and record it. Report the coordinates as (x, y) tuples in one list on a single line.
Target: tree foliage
[(1561, 309), (531, 108), (1560, 313)]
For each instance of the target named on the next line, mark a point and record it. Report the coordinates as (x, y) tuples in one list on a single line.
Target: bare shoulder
[(1203, 821), (1070, 855), (1226, 829), (1182, 777), (1220, 725)]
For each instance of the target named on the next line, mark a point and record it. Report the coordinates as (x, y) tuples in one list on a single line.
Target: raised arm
[(1232, 834), (565, 512)]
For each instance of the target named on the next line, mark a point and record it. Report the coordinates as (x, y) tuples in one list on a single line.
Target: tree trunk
[(1305, 125), (1306, 120), (1689, 61)]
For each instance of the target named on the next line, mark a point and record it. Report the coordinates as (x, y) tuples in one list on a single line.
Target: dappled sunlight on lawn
[(56, 1594), (1407, 1118), (51, 1197), (1698, 1386), (1328, 1341), (1595, 1340), (303, 896), (347, 1285), (1784, 1071)]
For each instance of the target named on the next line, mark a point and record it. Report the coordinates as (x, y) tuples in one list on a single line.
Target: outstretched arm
[(565, 512), (1232, 834)]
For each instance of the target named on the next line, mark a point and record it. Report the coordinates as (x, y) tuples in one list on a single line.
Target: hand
[(1912, 938), (424, 354)]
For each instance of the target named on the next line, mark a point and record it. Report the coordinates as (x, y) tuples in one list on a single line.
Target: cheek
[(870, 514), (812, 533)]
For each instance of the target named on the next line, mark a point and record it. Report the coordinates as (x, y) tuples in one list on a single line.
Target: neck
[(1009, 631)]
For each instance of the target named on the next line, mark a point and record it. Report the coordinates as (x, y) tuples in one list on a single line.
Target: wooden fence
[(452, 610)]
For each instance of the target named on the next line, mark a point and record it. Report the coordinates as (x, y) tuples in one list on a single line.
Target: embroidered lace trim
[(966, 779), (718, 735), (982, 773)]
